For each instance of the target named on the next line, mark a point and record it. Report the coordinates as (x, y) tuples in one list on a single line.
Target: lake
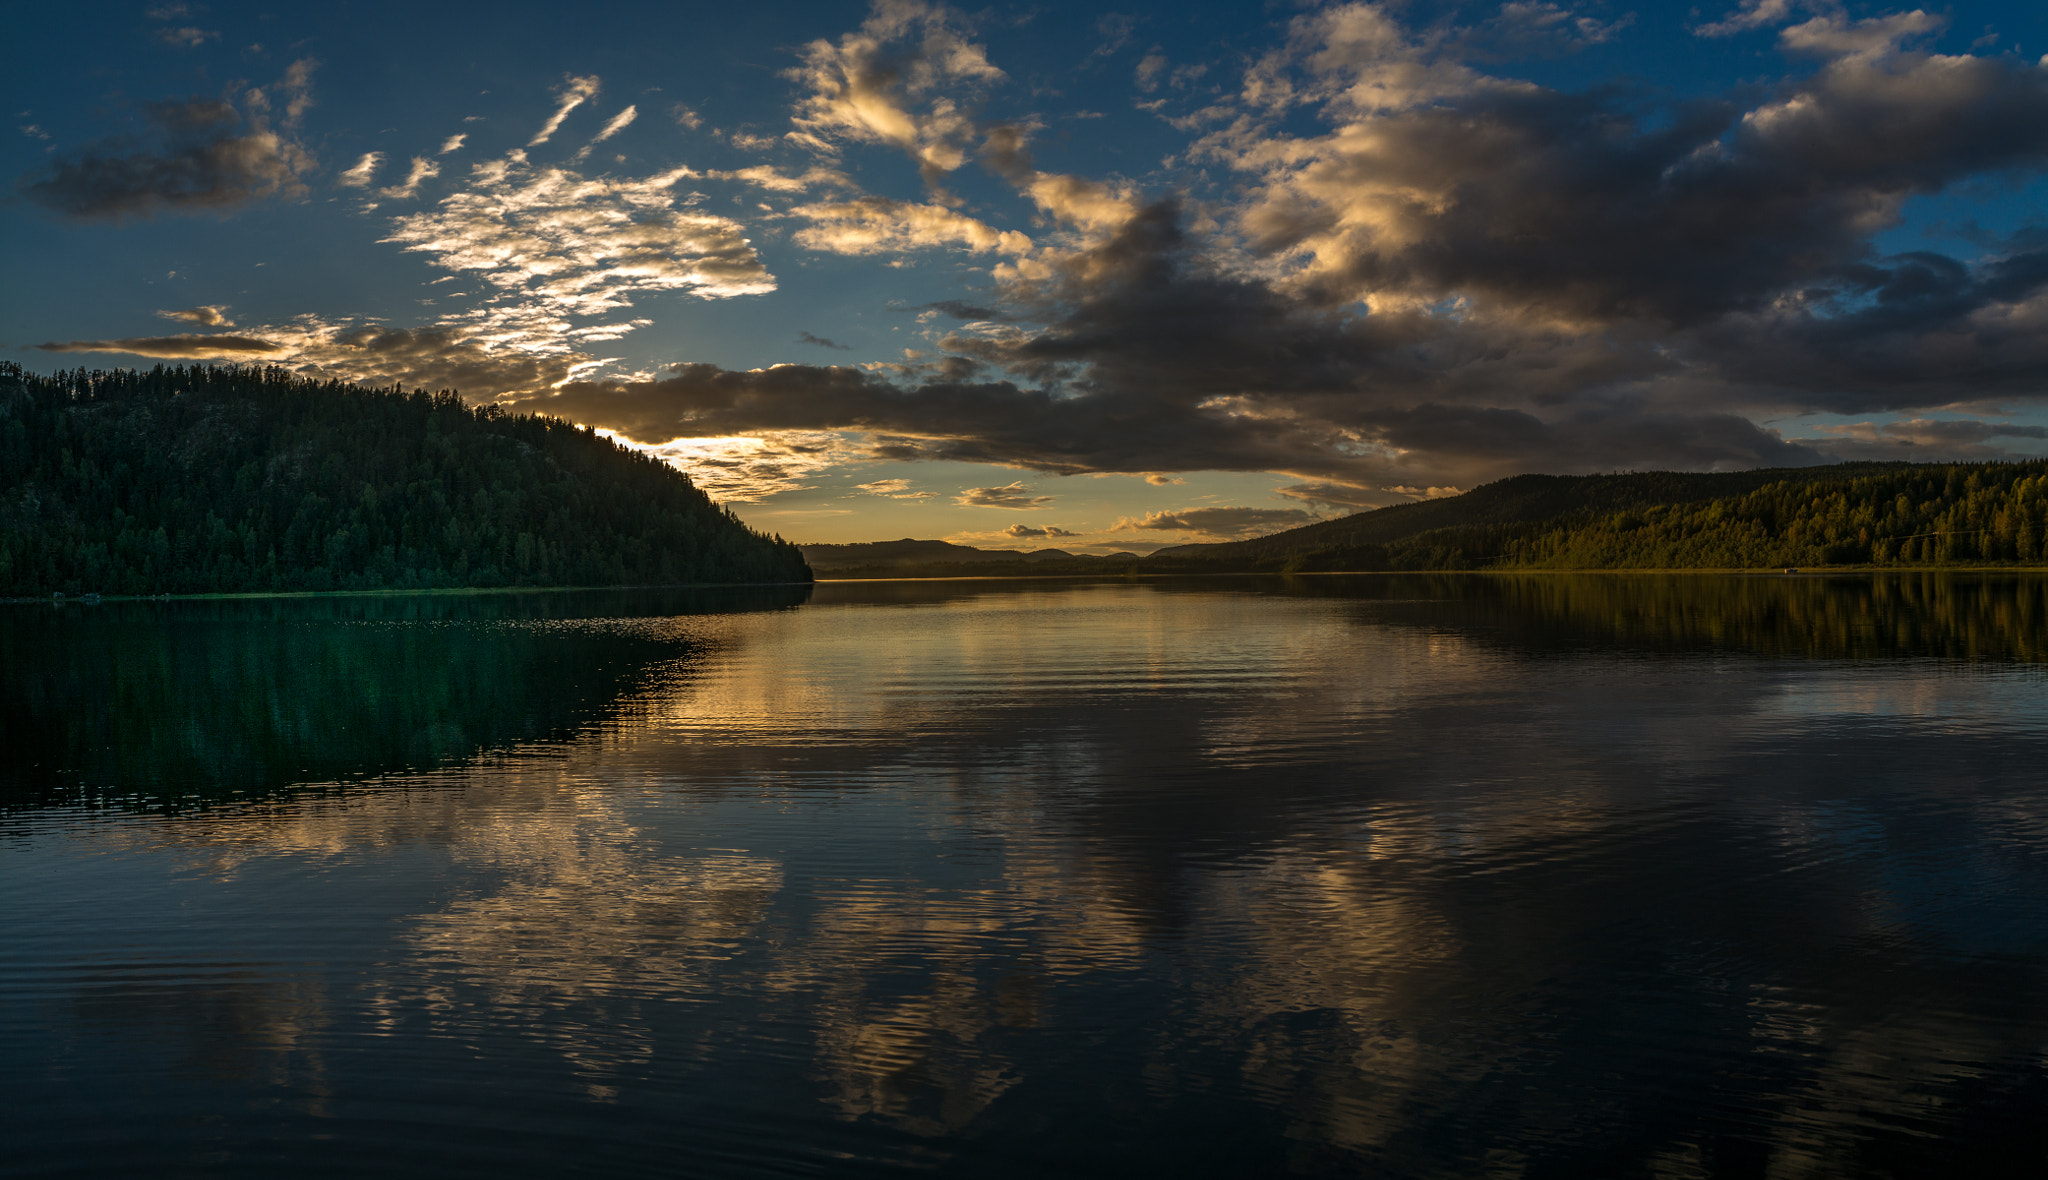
[(1401, 876)]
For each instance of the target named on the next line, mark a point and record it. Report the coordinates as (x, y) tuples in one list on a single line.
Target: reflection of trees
[(161, 704), (1987, 616)]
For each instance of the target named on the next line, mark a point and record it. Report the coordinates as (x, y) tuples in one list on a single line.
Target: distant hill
[(1519, 499), (225, 479), (1872, 514), (912, 553), (1878, 514)]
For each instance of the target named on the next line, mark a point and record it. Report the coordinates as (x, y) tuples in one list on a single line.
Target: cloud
[(363, 172), (1752, 14), (1220, 522), (755, 467), (570, 95), (1832, 35), (1376, 269), (449, 356), (185, 346), (452, 144), (423, 170), (822, 342), (894, 489), (1146, 73), (763, 176), (186, 37), (558, 244), (1161, 480), (893, 81), (1533, 28), (1012, 495), (195, 154), (212, 316), (1918, 439), (1337, 495), (618, 123), (875, 225), (1021, 531)]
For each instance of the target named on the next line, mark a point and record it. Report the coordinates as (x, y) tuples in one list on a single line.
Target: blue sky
[(1055, 275)]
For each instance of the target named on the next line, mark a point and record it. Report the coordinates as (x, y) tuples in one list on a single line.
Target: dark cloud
[(822, 342), (1919, 439), (1145, 360), (198, 154), (1601, 205), (184, 346), (1923, 330), (1222, 522)]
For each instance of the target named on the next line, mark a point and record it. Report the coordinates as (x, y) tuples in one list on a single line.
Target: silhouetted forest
[(1984, 514), (228, 479)]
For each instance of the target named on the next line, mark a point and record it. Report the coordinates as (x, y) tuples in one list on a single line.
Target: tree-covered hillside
[(1517, 500), (223, 479), (1893, 515)]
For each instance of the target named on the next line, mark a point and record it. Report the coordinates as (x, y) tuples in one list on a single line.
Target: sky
[(1048, 275)]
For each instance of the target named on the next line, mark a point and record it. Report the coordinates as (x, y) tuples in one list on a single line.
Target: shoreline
[(822, 579), (238, 595)]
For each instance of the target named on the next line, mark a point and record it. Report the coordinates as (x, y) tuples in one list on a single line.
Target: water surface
[(1400, 876)]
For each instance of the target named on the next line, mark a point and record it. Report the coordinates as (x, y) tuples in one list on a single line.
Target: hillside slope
[(1520, 499), (220, 479)]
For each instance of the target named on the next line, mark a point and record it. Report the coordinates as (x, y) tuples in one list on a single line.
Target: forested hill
[(226, 479), (1889, 514), (1523, 499)]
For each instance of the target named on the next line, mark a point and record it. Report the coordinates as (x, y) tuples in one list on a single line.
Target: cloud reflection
[(1422, 876)]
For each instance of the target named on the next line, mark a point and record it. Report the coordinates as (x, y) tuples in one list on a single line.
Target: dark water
[(1395, 876)]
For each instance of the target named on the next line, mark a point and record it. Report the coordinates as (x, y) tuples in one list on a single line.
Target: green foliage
[(225, 479)]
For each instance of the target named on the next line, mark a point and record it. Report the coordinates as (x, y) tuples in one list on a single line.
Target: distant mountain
[(224, 479), (908, 552)]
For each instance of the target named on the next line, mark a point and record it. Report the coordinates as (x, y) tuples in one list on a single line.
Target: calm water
[(1394, 876)]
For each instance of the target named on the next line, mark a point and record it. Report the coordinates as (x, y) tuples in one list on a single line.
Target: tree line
[(1908, 516), (208, 479)]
